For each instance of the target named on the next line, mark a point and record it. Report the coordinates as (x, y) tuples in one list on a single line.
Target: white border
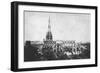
[(22, 64)]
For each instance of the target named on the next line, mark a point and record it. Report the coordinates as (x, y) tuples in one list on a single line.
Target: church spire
[(49, 27), (49, 34)]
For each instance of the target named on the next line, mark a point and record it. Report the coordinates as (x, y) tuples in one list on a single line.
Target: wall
[(5, 17)]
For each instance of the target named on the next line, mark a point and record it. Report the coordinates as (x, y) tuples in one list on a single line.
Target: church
[(50, 49), (49, 45), (48, 42)]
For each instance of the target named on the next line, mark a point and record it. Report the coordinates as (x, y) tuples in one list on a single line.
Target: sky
[(64, 26)]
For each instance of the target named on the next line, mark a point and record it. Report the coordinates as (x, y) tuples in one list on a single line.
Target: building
[(48, 42), (48, 45)]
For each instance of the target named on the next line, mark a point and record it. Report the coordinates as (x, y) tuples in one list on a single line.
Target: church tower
[(49, 34), (48, 42)]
